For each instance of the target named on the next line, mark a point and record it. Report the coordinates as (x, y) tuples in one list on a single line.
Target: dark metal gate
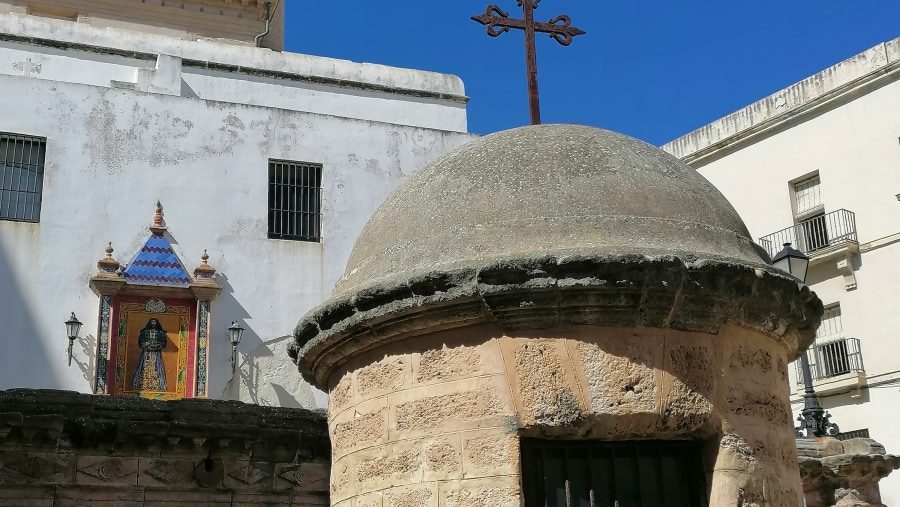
[(587, 473)]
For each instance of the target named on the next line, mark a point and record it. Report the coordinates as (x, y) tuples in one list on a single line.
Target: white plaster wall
[(853, 144), (267, 78), (111, 153)]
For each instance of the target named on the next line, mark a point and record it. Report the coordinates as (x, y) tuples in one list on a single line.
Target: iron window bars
[(295, 200), (586, 473), (21, 176)]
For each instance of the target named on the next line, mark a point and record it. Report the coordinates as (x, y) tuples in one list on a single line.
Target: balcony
[(836, 366), (831, 236), (816, 235)]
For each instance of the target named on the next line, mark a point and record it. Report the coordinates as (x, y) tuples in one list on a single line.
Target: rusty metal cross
[(559, 28)]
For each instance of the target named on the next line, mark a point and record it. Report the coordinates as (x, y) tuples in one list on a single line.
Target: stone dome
[(548, 226), (548, 190)]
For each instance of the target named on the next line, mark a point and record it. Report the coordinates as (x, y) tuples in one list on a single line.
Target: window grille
[(295, 200), (847, 435), (831, 323), (592, 473), (807, 195), (21, 177)]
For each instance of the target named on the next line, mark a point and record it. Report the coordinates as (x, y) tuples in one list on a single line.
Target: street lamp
[(235, 332), (813, 418), (73, 327)]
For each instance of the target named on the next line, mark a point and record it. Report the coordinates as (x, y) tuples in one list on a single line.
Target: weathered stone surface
[(362, 429), (196, 452), (845, 479), (622, 378), (433, 411), (490, 453), (411, 496), (547, 397), (383, 376), (447, 363)]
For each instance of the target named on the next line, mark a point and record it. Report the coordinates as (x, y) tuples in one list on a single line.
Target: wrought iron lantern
[(73, 327), (814, 420), (235, 333), (792, 261)]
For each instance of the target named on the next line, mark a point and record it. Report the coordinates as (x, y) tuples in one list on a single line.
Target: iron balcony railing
[(833, 358), (816, 233)]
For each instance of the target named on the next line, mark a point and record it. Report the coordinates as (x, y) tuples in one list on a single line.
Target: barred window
[(21, 177), (831, 326), (808, 197), (567, 473), (295, 200)]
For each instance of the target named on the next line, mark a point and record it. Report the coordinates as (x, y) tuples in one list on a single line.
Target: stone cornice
[(548, 292)]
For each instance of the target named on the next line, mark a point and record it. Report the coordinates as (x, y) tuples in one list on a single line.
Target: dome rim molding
[(553, 291)]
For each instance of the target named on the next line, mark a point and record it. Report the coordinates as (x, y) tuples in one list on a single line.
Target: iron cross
[(559, 28)]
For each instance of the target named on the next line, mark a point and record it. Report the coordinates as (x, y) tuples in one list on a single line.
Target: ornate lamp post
[(73, 327), (235, 332), (813, 418)]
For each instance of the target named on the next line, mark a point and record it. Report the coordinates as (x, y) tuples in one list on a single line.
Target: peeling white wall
[(200, 143)]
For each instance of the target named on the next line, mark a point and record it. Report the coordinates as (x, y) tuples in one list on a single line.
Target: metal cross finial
[(559, 28)]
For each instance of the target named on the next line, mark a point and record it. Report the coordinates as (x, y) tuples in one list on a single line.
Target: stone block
[(494, 491), (365, 426), (167, 473), (102, 470), (375, 499), (387, 465), (443, 457), (170, 498), (90, 496), (862, 446), (390, 374), (441, 408), (620, 375), (263, 499), (490, 452), (244, 475), (25, 496), (19, 468), (311, 500), (341, 394), (545, 388), (303, 477), (419, 495), (447, 363)]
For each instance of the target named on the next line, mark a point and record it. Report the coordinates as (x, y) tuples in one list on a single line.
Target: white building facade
[(271, 162), (818, 165)]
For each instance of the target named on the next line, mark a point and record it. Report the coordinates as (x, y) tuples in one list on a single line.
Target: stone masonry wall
[(437, 422), (60, 448)]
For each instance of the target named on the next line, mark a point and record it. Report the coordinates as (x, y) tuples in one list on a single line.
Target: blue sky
[(651, 69)]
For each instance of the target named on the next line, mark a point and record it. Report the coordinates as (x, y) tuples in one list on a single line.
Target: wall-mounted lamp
[(73, 327), (235, 332)]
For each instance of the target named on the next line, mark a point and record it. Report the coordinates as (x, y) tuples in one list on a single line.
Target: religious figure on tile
[(150, 374)]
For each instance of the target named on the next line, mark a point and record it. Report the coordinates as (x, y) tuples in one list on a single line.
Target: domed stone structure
[(566, 283)]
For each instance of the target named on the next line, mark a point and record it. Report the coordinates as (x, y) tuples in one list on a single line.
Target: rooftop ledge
[(866, 69), (212, 54)]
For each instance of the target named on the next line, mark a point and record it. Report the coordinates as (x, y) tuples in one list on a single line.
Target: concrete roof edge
[(864, 69), (62, 32)]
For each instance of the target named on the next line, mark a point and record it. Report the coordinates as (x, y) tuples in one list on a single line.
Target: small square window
[(21, 177), (295, 200)]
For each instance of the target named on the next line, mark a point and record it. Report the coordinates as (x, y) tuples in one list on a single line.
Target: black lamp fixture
[(814, 420), (792, 261), (73, 327), (235, 333)]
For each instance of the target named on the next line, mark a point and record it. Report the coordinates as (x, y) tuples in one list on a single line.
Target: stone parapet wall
[(60, 448)]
